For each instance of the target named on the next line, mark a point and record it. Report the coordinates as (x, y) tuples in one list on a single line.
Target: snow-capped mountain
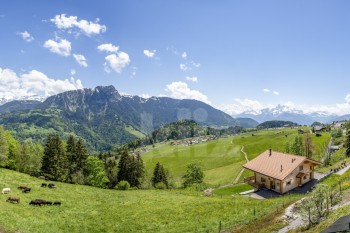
[(6, 99), (287, 113)]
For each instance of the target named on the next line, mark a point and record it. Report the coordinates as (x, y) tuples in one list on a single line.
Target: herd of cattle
[(26, 189)]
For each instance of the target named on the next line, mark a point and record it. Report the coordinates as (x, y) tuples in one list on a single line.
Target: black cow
[(38, 202), (57, 203), (26, 190), (43, 185), (51, 185), (48, 203)]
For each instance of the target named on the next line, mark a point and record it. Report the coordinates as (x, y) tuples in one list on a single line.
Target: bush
[(123, 185), (160, 185)]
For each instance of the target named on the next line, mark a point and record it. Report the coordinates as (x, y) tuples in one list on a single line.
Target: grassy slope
[(88, 209), (222, 159)]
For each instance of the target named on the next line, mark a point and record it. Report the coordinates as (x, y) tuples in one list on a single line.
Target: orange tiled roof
[(277, 165)]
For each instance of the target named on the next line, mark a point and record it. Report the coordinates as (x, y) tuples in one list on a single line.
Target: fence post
[(220, 226)]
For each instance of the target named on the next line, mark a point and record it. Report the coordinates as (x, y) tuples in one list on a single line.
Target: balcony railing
[(252, 182)]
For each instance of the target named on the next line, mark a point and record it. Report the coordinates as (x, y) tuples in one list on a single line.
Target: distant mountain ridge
[(285, 113), (104, 118)]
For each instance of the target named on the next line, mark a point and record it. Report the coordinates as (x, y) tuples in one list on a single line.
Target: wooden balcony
[(251, 181)]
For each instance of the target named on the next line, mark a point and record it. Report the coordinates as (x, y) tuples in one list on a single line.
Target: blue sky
[(235, 55)]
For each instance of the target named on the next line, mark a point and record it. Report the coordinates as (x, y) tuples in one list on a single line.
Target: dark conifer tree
[(159, 175), (54, 161), (82, 155), (123, 166), (111, 171), (71, 156), (131, 169)]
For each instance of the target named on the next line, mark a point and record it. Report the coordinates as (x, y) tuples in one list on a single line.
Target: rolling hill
[(103, 117)]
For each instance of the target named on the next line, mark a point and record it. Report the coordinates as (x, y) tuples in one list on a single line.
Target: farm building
[(280, 172)]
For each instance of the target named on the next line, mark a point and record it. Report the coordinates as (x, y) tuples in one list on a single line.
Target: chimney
[(270, 152), (281, 168)]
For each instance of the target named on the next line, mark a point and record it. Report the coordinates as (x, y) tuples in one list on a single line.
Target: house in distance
[(280, 172)]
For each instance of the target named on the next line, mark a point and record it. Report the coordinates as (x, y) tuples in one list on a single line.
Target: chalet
[(280, 172), (319, 128)]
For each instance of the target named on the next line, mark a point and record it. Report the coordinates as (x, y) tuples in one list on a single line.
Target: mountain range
[(105, 118), (285, 113)]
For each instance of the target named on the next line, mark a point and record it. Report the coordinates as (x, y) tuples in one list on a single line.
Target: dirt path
[(241, 172)]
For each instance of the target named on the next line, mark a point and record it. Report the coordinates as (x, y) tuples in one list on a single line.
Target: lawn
[(89, 209)]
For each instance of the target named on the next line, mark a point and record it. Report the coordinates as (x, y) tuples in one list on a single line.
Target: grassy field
[(88, 209), (222, 159)]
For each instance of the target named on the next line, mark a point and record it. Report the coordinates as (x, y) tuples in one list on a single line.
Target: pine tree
[(159, 175), (131, 169), (347, 144), (82, 156), (54, 161), (123, 166), (71, 156)]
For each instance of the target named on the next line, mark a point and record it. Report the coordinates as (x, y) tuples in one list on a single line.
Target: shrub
[(160, 185), (123, 185)]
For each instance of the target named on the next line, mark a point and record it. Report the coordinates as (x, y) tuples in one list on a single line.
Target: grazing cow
[(22, 187), (44, 185), (6, 190), (13, 199), (26, 190), (57, 203), (42, 177), (38, 202), (48, 202), (51, 185)]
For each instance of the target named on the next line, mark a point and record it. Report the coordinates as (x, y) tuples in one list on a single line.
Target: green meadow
[(222, 159), (89, 209)]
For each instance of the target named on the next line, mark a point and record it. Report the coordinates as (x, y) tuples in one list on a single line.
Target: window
[(304, 177), (289, 182), (300, 167), (263, 179)]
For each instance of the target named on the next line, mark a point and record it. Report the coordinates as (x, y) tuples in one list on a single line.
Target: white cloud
[(80, 59), (180, 90), (184, 55), (63, 47), (89, 28), (146, 96), (72, 72), (184, 67), (270, 91), (149, 53), (108, 48), (116, 62), (192, 79), (240, 106), (197, 65), (13, 86), (26, 36)]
